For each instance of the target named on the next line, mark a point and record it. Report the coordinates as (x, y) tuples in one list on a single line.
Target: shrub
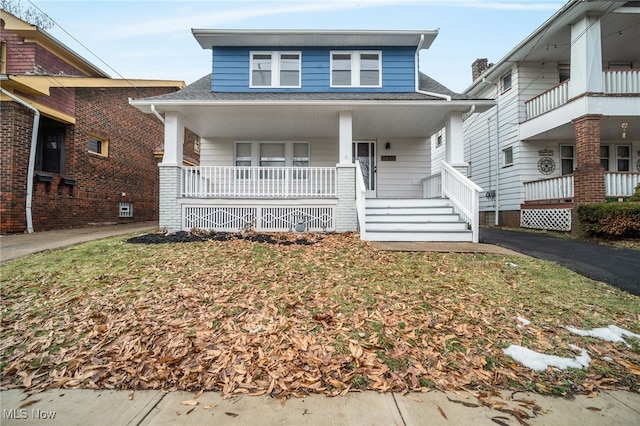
[(610, 219), (636, 194)]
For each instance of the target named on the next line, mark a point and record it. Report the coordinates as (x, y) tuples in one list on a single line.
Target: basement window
[(99, 146)]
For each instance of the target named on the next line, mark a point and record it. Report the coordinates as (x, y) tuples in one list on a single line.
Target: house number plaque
[(388, 158)]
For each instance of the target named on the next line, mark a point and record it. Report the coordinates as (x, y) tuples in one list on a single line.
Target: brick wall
[(588, 178), (99, 182), (15, 139)]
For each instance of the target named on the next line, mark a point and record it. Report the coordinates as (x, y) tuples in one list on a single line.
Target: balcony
[(614, 82), (560, 189)]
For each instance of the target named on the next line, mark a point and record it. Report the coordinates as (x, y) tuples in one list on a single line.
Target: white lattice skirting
[(259, 218), (549, 219)]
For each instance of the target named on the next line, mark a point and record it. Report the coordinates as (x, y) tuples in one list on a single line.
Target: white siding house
[(566, 126), (316, 131)]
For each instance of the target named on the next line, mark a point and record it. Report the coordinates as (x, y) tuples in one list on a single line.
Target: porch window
[(275, 69), (604, 157), (272, 155), (623, 156), (50, 149), (567, 159), (356, 69)]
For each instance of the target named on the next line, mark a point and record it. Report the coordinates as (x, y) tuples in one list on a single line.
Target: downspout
[(32, 155), (156, 113), (417, 72), (497, 214)]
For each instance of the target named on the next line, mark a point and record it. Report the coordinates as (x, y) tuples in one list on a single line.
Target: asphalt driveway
[(616, 266)]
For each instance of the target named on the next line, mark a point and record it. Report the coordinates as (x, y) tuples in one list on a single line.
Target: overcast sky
[(152, 39)]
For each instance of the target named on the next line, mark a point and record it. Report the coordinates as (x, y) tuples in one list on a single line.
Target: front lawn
[(280, 318)]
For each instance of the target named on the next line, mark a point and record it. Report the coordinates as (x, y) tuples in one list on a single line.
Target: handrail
[(465, 196), (361, 195), (432, 186)]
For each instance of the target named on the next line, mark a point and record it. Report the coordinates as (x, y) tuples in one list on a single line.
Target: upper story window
[(506, 81), (356, 69), (507, 157), (275, 69)]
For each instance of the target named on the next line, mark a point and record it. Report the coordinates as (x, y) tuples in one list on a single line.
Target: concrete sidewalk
[(18, 245), (108, 407)]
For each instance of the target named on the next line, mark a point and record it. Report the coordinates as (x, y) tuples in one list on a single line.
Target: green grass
[(209, 304)]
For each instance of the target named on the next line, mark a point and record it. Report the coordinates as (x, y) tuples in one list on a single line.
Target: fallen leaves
[(249, 318)]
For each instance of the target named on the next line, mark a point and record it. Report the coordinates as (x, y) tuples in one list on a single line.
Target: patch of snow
[(511, 264), (608, 359), (524, 321), (539, 362), (610, 334)]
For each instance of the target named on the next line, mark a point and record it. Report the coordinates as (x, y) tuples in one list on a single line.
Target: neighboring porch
[(548, 202)]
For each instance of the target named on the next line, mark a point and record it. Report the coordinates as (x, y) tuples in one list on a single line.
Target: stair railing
[(465, 196)]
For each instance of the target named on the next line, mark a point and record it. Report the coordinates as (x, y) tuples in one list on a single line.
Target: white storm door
[(365, 152)]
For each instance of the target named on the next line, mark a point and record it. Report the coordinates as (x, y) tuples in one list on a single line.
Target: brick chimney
[(478, 67)]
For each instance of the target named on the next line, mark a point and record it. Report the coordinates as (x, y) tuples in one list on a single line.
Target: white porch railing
[(558, 188), (614, 81), (621, 81), (361, 196), (546, 101), (620, 184), (465, 196), (258, 182), (617, 184), (432, 186)]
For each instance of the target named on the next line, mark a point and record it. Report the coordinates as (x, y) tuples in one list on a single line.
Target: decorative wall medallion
[(546, 165)]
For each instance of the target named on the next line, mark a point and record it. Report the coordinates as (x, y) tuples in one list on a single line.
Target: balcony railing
[(432, 186), (546, 101), (614, 81), (258, 182), (617, 184), (622, 81)]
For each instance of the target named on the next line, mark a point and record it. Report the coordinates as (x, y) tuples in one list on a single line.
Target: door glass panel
[(365, 153)]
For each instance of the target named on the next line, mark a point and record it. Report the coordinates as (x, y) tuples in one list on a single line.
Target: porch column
[(586, 57), (346, 212), (173, 139), (588, 178), (170, 212), (454, 154), (345, 137)]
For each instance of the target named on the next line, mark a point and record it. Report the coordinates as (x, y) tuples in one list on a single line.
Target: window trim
[(104, 145), (504, 157), (275, 69), (508, 74), (355, 68), (628, 158), (572, 158), (255, 152)]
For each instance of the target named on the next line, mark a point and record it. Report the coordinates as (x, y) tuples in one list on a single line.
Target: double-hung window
[(275, 69), (272, 154), (356, 69)]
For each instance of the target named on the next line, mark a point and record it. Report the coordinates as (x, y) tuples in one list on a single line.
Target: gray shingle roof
[(200, 90)]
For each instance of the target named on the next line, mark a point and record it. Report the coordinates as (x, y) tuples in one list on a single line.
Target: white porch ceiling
[(370, 121)]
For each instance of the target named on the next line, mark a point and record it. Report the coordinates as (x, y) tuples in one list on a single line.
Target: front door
[(365, 152)]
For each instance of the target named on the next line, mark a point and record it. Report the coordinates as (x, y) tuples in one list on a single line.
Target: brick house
[(90, 158)]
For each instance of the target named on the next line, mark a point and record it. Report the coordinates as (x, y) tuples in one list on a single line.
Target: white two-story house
[(566, 126), (316, 131)]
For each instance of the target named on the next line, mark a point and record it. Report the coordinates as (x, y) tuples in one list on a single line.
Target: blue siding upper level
[(231, 70)]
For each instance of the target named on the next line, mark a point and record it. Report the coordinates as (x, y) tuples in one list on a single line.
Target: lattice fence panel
[(221, 219), (549, 219), (260, 218)]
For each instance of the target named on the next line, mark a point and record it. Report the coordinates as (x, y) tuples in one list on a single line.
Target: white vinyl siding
[(275, 69), (402, 178), (356, 69)]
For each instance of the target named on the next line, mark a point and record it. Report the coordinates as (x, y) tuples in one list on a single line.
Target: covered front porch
[(304, 165)]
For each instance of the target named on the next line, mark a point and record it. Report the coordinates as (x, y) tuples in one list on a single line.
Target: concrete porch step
[(434, 236), (416, 226)]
